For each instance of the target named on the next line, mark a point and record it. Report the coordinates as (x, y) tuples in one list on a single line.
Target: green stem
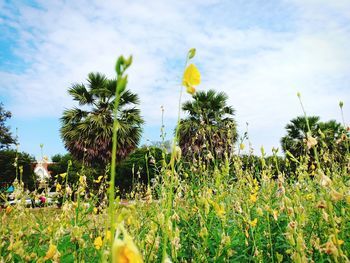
[(309, 130), (77, 209), (331, 214), (66, 183), (347, 138), (270, 239), (172, 165), (147, 170), (113, 166)]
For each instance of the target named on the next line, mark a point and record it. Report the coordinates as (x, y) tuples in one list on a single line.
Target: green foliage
[(330, 137), (87, 134), (60, 166), (6, 138), (8, 168), (138, 168), (209, 127), (141, 166), (255, 164)]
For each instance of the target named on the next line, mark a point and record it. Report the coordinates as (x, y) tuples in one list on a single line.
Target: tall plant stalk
[(121, 66), (309, 131), (174, 155)]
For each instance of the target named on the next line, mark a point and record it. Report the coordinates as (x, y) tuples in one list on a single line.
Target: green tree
[(330, 137), (331, 133), (141, 166), (9, 164), (209, 126), (87, 131), (60, 165), (297, 130), (6, 138)]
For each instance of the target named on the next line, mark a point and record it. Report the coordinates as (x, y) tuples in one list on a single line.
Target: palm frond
[(80, 94)]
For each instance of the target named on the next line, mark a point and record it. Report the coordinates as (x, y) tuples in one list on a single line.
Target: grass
[(212, 220)]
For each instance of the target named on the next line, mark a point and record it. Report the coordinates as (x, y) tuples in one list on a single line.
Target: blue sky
[(261, 53)]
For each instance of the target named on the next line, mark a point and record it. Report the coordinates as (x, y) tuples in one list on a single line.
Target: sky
[(260, 53)]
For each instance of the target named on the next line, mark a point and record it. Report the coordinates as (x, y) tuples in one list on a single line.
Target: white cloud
[(261, 69)]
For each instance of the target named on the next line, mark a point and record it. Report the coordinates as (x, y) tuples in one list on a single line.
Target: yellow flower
[(310, 196), (254, 222), (51, 252), (98, 242), (82, 179), (191, 78), (219, 209), (63, 175), (58, 187), (241, 146), (108, 235), (348, 199), (194, 209), (98, 179), (253, 198), (125, 251), (191, 90), (95, 210), (340, 242)]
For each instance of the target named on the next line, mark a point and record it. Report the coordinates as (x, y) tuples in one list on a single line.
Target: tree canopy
[(328, 136), (6, 138), (209, 126), (87, 130), (10, 161)]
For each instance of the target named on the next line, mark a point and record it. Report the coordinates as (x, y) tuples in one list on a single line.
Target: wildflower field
[(200, 207)]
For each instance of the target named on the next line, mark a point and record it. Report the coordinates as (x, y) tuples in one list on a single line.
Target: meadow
[(207, 208)]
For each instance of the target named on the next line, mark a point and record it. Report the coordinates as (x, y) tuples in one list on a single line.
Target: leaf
[(191, 76)]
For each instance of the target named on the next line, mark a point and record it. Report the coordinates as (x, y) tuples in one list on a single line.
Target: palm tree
[(87, 130), (334, 138), (296, 134), (332, 130), (327, 134), (209, 127)]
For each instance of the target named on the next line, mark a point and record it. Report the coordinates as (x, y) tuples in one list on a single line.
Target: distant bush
[(141, 165), (8, 168), (255, 164), (60, 166), (129, 172)]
